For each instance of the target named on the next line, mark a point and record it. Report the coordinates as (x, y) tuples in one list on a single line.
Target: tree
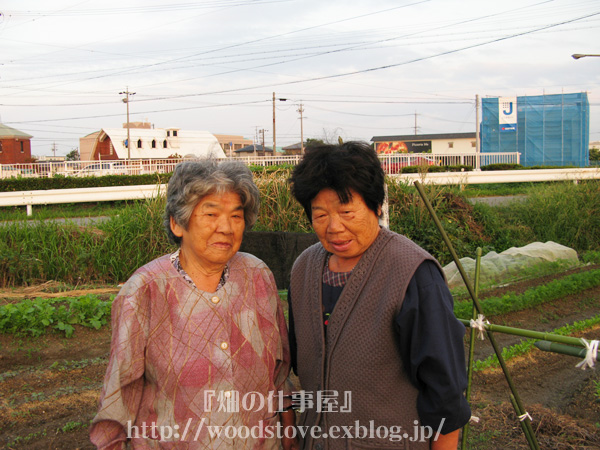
[(310, 142), (594, 154), (73, 155)]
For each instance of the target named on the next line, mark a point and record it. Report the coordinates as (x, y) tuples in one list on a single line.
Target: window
[(153, 143), (450, 144), (165, 143), (139, 143), (112, 149), (168, 133), (0, 146), (174, 133), (22, 150), (473, 144)]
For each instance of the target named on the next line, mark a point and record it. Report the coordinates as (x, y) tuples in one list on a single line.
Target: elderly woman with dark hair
[(373, 336), (199, 336)]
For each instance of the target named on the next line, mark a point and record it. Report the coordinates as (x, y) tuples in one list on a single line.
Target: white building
[(146, 143)]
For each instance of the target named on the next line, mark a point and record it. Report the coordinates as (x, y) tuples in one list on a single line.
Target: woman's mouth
[(340, 246)]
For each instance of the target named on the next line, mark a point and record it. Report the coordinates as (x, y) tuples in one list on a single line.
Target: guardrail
[(391, 163), (502, 176), (114, 193), (80, 195)]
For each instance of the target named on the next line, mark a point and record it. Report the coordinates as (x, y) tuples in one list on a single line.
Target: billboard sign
[(507, 113), (403, 147)]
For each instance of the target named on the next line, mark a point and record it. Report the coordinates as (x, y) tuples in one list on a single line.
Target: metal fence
[(391, 163)]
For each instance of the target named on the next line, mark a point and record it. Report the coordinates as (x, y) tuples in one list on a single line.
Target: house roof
[(423, 137), (186, 143), (251, 148), (296, 146), (9, 132)]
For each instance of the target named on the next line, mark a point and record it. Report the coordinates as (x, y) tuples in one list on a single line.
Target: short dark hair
[(343, 167), (193, 180)]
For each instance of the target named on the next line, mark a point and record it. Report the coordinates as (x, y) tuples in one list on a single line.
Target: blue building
[(549, 130)]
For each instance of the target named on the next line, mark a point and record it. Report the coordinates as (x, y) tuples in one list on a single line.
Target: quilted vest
[(359, 352)]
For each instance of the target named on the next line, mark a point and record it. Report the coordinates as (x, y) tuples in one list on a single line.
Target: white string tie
[(479, 324), (525, 416), (474, 419), (590, 355)]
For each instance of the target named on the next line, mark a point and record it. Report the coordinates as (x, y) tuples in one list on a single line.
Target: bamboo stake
[(530, 438), (569, 340), (465, 432), (563, 349), (490, 335)]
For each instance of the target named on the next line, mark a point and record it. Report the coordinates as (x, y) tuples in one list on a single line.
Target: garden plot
[(50, 384)]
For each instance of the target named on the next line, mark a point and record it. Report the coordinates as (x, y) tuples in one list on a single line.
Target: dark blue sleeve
[(432, 350)]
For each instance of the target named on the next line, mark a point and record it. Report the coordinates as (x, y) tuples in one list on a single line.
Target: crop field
[(51, 374)]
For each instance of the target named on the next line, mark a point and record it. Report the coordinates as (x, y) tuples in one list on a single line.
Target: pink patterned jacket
[(186, 364)]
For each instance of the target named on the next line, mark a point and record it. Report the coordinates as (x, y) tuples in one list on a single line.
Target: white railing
[(391, 163), (113, 193)]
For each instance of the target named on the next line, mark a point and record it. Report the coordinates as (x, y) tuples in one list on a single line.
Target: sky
[(355, 68)]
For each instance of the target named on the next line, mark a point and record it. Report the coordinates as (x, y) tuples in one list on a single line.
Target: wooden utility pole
[(274, 138), (274, 134), (126, 100), (301, 110)]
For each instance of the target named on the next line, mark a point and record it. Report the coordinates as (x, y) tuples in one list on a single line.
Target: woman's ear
[(175, 227)]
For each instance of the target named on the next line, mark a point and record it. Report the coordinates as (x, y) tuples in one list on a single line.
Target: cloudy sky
[(357, 68)]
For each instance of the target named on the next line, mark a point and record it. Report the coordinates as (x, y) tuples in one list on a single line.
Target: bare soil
[(49, 386)]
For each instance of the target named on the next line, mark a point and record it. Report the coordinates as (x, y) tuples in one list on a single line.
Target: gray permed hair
[(193, 180)]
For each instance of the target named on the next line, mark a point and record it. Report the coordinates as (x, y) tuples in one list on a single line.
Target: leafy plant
[(35, 317), (558, 288)]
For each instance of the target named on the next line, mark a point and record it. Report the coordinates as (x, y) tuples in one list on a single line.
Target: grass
[(110, 251), (68, 210), (500, 189)]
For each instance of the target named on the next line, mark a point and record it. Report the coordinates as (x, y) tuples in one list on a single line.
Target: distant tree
[(594, 154), (311, 142), (73, 155)]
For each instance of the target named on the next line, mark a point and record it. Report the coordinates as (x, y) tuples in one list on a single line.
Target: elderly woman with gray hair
[(199, 354)]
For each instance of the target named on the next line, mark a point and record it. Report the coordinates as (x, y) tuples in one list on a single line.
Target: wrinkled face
[(214, 232), (345, 229)]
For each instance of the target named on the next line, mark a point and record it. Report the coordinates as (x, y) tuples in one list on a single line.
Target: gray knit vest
[(359, 353)]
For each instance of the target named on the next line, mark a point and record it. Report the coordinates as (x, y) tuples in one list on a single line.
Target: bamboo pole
[(528, 434), (490, 335), (465, 432), (556, 347), (569, 340)]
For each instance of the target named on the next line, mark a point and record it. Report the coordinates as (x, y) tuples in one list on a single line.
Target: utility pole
[(477, 139), (274, 138), (274, 134), (262, 131), (301, 110), (416, 123), (126, 101), (54, 149)]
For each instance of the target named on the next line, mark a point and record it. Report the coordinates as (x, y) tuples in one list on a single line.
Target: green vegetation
[(566, 213), (35, 317), (568, 285), (111, 250), (66, 211)]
